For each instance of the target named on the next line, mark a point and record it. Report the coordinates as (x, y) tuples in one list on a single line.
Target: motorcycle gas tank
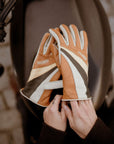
[(33, 18)]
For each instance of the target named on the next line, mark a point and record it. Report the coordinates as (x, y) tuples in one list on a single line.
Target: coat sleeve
[(50, 135), (100, 134)]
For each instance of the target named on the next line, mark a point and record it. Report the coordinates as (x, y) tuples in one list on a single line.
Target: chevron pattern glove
[(43, 75), (73, 59)]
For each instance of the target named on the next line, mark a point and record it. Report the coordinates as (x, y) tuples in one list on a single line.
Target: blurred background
[(11, 131)]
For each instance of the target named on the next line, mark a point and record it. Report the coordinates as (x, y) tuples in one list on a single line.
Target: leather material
[(72, 47), (44, 70), (31, 19)]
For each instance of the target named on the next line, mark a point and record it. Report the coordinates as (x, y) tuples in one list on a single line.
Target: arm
[(53, 131), (50, 135), (82, 117), (100, 133), (83, 120)]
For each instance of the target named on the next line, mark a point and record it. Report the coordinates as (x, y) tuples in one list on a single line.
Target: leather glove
[(43, 75), (73, 59)]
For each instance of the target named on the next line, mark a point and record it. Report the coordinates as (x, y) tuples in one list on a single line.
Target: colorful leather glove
[(43, 75), (73, 59)]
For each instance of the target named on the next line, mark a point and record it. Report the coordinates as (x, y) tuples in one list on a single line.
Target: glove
[(43, 75), (73, 60)]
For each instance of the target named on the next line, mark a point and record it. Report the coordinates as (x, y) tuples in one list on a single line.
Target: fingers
[(75, 32), (65, 38), (79, 107), (83, 106), (68, 113), (87, 109), (55, 103), (91, 107), (90, 103), (43, 42), (75, 107), (84, 40), (80, 39), (55, 54), (63, 112), (66, 34), (48, 43), (41, 49), (57, 35)]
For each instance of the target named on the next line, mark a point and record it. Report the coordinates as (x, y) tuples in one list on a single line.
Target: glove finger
[(44, 41), (76, 35), (58, 36), (85, 39), (84, 47), (66, 34), (55, 54)]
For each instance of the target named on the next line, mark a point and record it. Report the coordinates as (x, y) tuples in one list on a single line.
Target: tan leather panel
[(69, 91), (44, 100)]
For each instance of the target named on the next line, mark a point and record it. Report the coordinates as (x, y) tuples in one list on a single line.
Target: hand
[(82, 117), (53, 117)]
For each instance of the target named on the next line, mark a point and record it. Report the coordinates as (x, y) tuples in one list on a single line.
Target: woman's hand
[(82, 117), (53, 117)]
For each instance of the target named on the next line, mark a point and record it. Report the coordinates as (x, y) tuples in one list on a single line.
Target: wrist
[(91, 127), (85, 132)]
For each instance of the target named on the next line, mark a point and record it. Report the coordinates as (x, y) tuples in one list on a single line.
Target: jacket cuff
[(100, 133), (50, 135)]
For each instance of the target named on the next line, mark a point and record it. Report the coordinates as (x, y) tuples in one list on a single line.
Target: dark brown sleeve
[(100, 134), (50, 135)]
